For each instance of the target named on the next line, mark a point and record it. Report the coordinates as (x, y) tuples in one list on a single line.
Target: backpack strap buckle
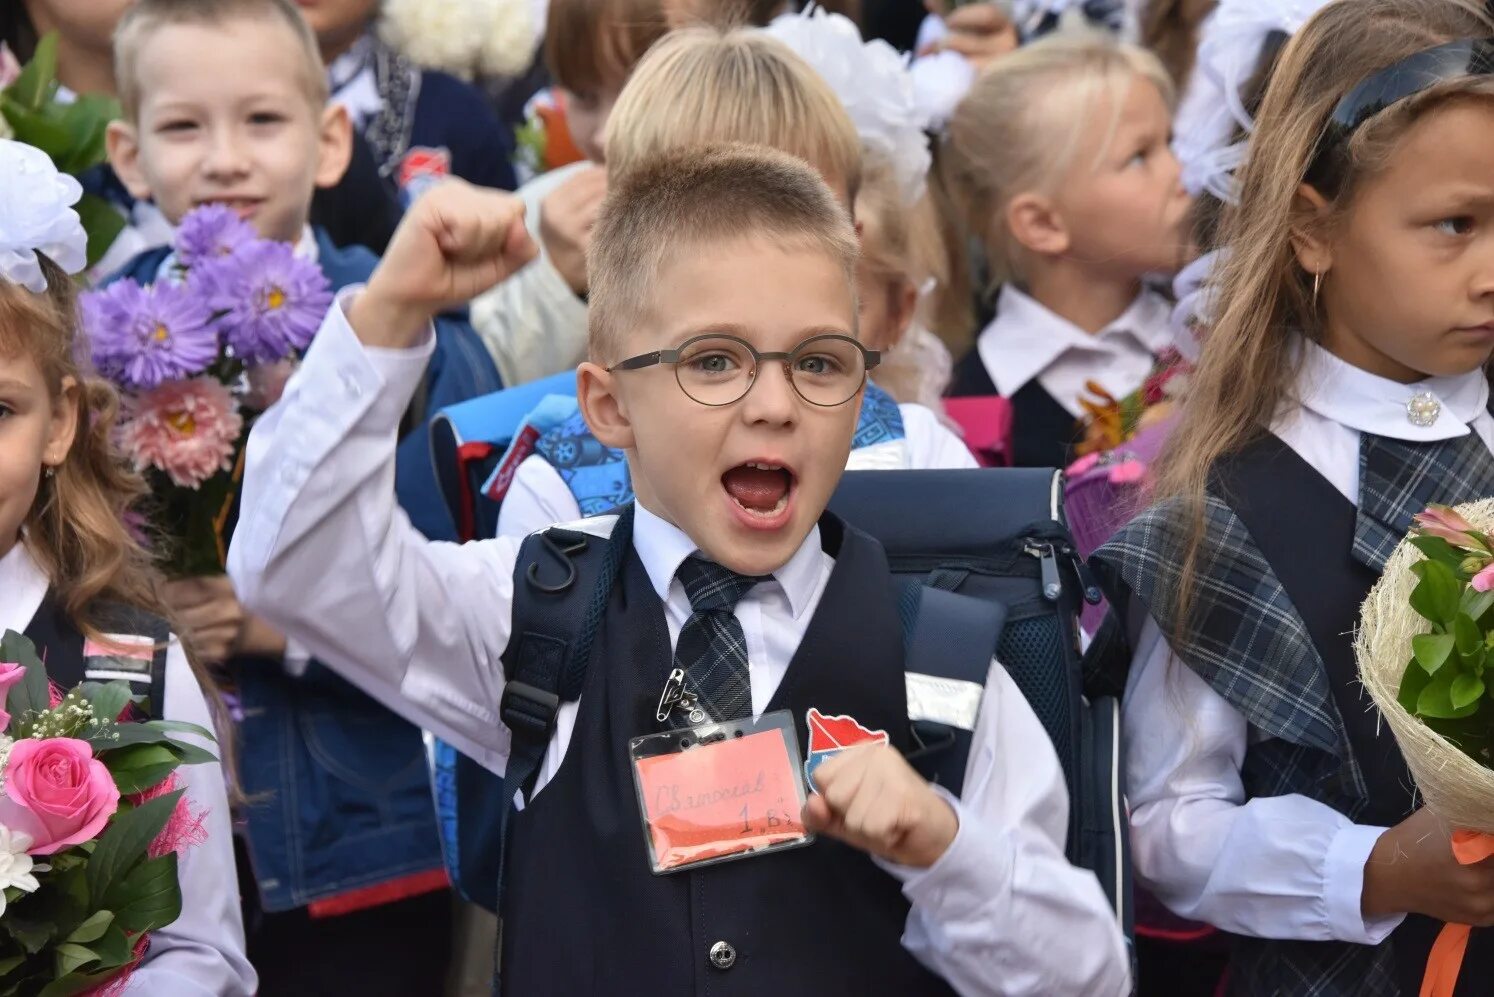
[(529, 712)]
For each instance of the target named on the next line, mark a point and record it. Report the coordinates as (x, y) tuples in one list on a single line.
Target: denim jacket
[(339, 790)]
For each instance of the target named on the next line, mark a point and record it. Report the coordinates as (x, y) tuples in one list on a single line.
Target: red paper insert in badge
[(739, 795)]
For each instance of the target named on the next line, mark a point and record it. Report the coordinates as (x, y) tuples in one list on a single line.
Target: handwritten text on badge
[(738, 795)]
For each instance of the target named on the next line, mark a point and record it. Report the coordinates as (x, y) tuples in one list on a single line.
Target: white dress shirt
[(323, 551), (1026, 341), (539, 496), (201, 954), (1282, 866)]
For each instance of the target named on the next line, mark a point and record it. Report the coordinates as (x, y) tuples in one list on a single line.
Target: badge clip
[(675, 696)]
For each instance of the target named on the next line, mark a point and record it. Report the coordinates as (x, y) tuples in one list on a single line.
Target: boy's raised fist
[(455, 242), (872, 799)]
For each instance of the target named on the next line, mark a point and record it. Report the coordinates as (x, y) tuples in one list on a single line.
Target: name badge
[(718, 792)]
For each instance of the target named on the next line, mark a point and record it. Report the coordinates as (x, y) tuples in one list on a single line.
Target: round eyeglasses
[(717, 369)]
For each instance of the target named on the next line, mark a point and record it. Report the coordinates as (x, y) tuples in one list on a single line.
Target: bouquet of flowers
[(1425, 650), (197, 356), (91, 824), (70, 132)]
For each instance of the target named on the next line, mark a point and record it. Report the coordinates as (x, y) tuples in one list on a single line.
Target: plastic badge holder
[(718, 792)]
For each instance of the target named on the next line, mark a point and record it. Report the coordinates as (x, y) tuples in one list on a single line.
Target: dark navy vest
[(1305, 528), (1043, 431), (583, 914), (60, 645)]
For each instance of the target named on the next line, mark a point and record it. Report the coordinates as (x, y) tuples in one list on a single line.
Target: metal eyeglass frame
[(871, 358)]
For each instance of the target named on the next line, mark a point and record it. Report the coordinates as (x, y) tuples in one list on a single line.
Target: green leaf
[(140, 766), (1436, 595), (1437, 549), (1476, 603), (1432, 651), (35, 85), (1436, 701), (181, 726), (150, 897), (1466, 690), (108, 698), (91, 929), (102, 223), (6, 965), (115, 949), (1470, 640), (32, 694), (71, 957), (124, 843), (1413, 681)]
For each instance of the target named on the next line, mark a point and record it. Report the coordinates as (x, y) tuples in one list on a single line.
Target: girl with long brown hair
[(1343, 387), (71, 576)]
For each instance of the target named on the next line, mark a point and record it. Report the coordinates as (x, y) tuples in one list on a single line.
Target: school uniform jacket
[(423, 627), (202, 953), (1259, 775), (1042, 363)]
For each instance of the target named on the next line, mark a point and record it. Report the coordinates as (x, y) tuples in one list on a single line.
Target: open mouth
[(761, 490)]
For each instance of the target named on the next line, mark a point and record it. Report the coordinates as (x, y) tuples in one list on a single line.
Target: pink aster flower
[(188, 429)]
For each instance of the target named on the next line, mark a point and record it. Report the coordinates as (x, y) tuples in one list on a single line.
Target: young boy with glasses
[(724, 361)]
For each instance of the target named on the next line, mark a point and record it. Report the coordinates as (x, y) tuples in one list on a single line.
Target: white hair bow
[(37, 216), (872, 81)]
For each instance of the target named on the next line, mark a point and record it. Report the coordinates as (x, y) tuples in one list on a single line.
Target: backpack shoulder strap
[(562, 581), (950, 641), (139, 633)]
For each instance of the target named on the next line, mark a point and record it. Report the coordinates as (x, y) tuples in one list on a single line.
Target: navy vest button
[(723, 956)]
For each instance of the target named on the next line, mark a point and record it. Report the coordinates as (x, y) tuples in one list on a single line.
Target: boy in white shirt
[(731, 573)]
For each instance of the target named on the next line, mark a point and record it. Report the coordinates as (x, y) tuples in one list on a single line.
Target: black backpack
[(984, 565)]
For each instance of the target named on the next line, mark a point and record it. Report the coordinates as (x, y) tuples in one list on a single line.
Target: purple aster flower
[(274, 303), (142, 336), (210, 233)]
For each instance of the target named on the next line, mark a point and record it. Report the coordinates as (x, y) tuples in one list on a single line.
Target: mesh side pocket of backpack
[(1031, 650)]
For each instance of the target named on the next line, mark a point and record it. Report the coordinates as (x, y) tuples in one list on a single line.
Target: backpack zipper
[(1049, 555)]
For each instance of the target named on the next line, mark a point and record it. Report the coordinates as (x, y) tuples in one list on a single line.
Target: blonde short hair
[(1020, 127), (692, 199), (701, 85), (146, 16)]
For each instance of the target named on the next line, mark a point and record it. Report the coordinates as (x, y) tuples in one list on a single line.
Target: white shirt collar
[(306, 249), (1367, 403), (354, 85), (24, 586), (663, 547), (1026, 338)]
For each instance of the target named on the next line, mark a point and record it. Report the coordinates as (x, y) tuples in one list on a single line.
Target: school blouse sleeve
[(202, 953), (1003, 911), (1271, 867), (323, 551)]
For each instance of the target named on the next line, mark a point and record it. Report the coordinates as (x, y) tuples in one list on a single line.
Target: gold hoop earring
[(1317, 283)]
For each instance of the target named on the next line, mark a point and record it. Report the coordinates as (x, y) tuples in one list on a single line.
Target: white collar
[(1026, 338), (24, 585), (306, 249), (663, 547), (353, 83), (1368, 403)]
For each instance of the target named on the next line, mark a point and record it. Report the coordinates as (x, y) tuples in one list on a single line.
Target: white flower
[(442, 36), (16, 867), (872, 81), (511, 38), (36, 216)]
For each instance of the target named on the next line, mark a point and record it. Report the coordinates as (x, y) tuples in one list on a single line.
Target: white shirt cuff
[(969, 873), (389, 376), (1343, 887)]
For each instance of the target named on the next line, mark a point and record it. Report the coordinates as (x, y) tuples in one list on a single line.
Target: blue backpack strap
[(950, 641)]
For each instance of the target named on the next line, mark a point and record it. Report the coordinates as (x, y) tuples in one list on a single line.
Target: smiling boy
[(725, 364)]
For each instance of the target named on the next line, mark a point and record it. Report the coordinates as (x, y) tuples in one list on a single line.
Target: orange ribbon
[(1446, 958)]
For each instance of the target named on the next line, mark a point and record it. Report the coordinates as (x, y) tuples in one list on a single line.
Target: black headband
[(1391, 85)]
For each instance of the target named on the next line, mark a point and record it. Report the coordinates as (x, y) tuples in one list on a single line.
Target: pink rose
[(10, 674), (57, 792)]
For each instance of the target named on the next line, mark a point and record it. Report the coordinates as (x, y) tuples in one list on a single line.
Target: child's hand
[(566, 220), (1412, 870), (455, 242), (215, 624), (872, 799)]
